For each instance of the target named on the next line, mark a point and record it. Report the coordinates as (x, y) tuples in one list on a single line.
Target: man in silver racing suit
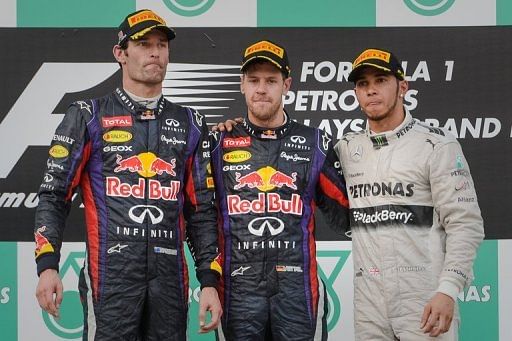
[(416, 224)]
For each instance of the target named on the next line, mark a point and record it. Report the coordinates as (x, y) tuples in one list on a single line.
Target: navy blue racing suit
[(144, 183), (268, 183)]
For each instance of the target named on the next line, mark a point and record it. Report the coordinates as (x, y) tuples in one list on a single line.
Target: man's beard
[(386, 113), (265, 114)]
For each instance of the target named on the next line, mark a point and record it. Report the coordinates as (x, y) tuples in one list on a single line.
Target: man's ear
[(119, 54)]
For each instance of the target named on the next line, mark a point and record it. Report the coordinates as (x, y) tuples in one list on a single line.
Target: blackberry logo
[(189, 8), (429, 7), (382, 216)]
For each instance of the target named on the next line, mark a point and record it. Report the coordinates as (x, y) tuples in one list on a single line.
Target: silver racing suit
[(415, 223)]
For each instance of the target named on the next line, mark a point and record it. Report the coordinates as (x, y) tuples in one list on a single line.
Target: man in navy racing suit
[(270, 173), (141, 164)]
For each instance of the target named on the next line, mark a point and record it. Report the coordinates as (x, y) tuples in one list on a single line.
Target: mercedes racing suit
[(268, 183), (416, 226), (143, 179)]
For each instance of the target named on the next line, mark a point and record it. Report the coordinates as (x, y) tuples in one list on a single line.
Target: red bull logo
[(160, 166), (155, 190), (279, 179), (132, 164), (265, 179), (251, 180), (146, 164), (269, 203), (42, 243)]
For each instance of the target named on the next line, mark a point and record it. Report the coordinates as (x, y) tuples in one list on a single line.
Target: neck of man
[(274, 121), (143, 90), (390, 120)]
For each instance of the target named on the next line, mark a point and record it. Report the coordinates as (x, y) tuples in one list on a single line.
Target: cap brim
[(356, 73), (167, 30), (254, 58)]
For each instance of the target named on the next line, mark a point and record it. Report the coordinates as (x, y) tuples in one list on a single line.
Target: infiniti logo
[(259, 225), (138, 214), (48, 178), (298, 139), (172, 122)]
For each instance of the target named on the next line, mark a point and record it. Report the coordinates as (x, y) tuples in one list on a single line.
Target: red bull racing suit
[(268, 183), (416, 226), (144, 182)]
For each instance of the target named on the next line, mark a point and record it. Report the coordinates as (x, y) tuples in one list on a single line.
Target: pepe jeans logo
[(429, 7), (189, 8), (335, 308), (70, 324)]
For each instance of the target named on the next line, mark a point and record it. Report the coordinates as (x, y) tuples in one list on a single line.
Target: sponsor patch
[(237, 156), (42, 243), (165, 251), (117, 136), (236, 142), (372, 54), (58, 151), (240, 271), (209, 182), (264, 46), (116, 121), (144, 16), (288, 268)]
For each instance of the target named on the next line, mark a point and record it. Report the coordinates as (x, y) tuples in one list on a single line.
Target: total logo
[(429, 7), (265, 179), (236, 142), (146, 164), (269, 203)]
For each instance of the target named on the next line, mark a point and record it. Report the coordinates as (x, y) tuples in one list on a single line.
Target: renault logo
[(259, 225), (138, 214)]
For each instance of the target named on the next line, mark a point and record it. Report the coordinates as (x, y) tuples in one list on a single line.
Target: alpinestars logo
[(381, 217)]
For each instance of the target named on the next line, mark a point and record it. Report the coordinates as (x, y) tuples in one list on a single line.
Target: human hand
[(437, 315), (228, 125), (49, 291), (209, 301)]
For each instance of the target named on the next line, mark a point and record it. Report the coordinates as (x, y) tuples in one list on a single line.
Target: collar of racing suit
[(267, 133), (134, 106), (384, 139)]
